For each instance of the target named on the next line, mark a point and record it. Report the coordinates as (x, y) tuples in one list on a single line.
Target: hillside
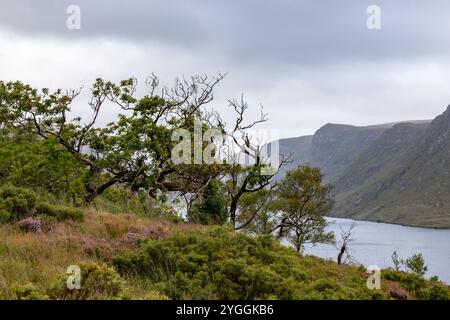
[(334, 146), (125, 256), (396, 173)]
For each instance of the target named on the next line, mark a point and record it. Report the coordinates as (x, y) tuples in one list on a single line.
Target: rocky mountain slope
[(396, 173)]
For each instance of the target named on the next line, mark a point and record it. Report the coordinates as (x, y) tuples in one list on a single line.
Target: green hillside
[(124, 256), (395, 173)]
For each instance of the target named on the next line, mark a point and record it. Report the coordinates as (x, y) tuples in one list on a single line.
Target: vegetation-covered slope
[(127, 256), (396, 173), (59, 177)]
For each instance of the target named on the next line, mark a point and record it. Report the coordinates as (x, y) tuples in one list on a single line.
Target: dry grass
[(39, 258)]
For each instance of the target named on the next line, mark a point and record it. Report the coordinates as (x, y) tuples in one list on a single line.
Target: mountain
[(334, 146), (396, 172)]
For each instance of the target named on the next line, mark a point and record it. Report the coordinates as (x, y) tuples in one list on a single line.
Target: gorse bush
[(219, 264), (19, 204), (411, 282), (438, 292), (59, 213), (417, 285), (97, 282), (29, 292), (16, 203)]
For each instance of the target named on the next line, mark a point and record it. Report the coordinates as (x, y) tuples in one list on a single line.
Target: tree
[(346, 239), (255, 214), (396, 261), (301, 203), (212, 208), (136, 149), (416, 264), (244, 178)]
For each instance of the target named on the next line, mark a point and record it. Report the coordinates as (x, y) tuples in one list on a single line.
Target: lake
[(374, 244)]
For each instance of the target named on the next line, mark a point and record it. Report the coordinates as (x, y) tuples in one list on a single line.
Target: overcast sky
[(308, 62)]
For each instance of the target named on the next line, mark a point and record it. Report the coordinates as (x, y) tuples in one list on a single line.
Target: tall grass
[(40, 258)]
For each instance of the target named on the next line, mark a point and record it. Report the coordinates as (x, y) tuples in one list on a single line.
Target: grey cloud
[(308, 62), (250, 31)]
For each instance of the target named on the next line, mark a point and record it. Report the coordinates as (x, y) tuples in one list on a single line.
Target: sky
[(307, 62)]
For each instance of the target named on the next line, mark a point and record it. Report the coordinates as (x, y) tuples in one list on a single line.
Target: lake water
[(374, 244)]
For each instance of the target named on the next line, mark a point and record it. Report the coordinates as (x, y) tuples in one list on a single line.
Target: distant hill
[(396, 172)]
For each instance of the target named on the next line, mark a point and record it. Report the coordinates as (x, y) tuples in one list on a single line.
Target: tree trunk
[(233, 209), (341, 254), (95, 193)]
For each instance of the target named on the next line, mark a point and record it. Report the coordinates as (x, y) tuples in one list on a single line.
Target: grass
[(42, 258), (39, 258)]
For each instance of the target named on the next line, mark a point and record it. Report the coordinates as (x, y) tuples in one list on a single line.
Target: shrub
[(155, 295), (29, 292), (59, 213), (122, 200), (412, 282), (16, 203), (36, 224), (439, 292), (97, 282), (20, 204), (217, 263), (132, 238)]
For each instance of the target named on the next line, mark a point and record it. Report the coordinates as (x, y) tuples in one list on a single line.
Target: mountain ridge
[(393, 172)]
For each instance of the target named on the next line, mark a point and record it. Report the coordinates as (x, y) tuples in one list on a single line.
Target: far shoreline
[(391, 223)]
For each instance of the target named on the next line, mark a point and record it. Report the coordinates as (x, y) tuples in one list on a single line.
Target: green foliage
[(15, 203), (134, 150), (416, 284), (438, 292), (97, 282), (411, 282), (29, 292), (155, 295), (59, 213), (212, 208), (219, 264), (416, 264), (303, 201), (255, 212), (19, 203), (123, 200), (41, 165)]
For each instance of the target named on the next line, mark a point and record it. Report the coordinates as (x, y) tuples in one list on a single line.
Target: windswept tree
[(247, 167), (136, 149)]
